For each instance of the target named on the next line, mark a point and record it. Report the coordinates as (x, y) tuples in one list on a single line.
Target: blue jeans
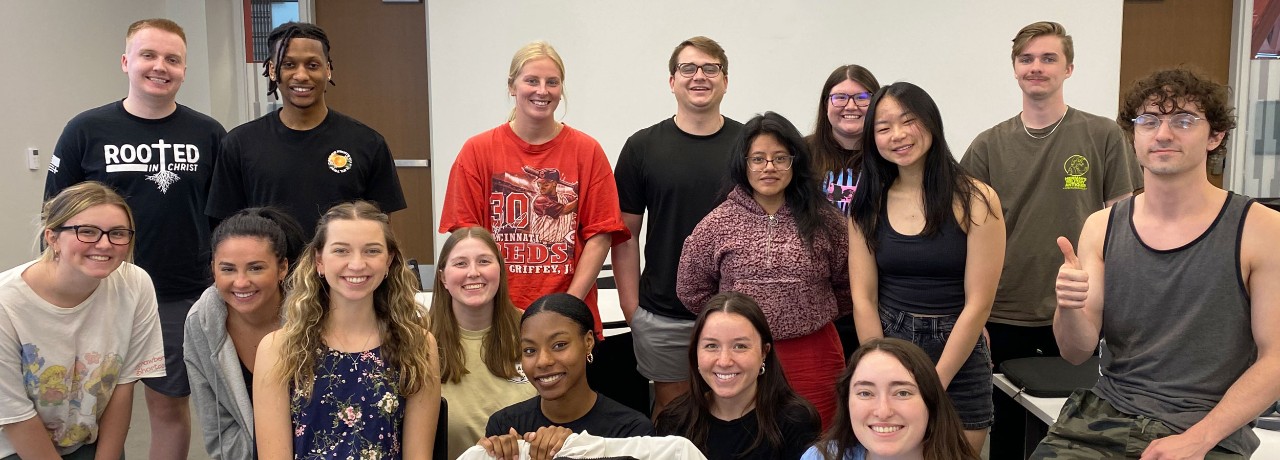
[(970, 389)]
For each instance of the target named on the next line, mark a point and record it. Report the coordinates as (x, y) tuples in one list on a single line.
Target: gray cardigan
[(217, 385)]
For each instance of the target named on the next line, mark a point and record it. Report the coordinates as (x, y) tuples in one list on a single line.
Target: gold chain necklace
[(1056, 124)]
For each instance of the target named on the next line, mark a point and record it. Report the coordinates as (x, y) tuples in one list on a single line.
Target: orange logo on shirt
[(339, 161)]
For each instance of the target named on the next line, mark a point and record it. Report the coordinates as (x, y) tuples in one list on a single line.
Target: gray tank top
[(1176, 323)]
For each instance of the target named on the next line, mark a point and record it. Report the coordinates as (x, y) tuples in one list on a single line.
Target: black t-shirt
[(798, 428), (304, 173), (675, 177), (162, 168), (607, 418)]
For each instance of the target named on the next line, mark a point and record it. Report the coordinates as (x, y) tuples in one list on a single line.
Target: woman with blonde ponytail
[(545, 190)]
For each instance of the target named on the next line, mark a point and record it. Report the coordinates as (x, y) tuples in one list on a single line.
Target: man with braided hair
[(159, 155), (304, 157)]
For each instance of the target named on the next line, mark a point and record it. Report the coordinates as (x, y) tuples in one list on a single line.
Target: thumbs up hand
[(1072, 287)]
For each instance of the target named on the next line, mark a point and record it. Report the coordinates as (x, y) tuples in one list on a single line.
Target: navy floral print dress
[(355, 410)]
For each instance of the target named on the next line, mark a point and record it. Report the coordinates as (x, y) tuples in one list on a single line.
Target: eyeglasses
[(862, 99), (781, 162), (92, 234), (689, 69), (1181, 121)]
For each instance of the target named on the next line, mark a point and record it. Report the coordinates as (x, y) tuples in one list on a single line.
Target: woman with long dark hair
[(775, 239), (926, 246), (892, 405), (739, 404), (836, 142)]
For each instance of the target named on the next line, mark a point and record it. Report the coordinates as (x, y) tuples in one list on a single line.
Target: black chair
[(613, 372), (417, 275), (440, 449)]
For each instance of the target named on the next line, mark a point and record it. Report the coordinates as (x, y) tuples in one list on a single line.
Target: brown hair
[(155, 23), (689, 415), (828, 155), (943, 438), (501, 348), (1170, 89), (703, 44), (1037, 29)]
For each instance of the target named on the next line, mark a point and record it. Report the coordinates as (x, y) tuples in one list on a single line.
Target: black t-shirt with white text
[(162, 168)]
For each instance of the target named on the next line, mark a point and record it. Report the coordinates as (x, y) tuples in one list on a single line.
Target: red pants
[(812, 364)]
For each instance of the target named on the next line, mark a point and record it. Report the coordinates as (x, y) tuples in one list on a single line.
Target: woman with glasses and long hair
[(892, 405), (543, 189), (836, 142), (478, 330), (353, 372), (776, 239), (836, 146), (739, 404), (926, 246), (252, 252), (64, 397)]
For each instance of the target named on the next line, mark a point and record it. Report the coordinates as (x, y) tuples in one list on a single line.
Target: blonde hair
[(74, 200), (404, 329), (501, 348), (155, 23), (531, 52)]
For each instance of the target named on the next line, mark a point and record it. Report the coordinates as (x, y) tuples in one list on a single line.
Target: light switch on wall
[(33, 158)]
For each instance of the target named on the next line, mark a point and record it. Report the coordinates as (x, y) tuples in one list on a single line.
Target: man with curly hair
[(1158, 277)]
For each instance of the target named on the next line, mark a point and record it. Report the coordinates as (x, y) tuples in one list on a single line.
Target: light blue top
[(857, 453)]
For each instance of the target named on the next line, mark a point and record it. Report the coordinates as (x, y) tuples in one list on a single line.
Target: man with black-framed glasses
[(673, 171), (159, 155)]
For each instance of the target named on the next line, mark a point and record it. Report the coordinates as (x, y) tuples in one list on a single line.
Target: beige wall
[(63, 57)]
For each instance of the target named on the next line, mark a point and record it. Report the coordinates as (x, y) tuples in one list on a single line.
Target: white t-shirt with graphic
[(62, 364)]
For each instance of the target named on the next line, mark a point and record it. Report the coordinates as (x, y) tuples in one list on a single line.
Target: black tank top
[(920, 274)]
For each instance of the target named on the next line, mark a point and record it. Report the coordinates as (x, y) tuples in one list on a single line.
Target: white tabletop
[(606, 300), (1047, 410)]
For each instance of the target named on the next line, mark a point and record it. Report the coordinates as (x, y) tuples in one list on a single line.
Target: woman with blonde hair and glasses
[(72, 398), (352, 373), (545, 190)]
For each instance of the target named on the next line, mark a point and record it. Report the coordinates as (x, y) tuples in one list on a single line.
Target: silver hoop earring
[(762, 369), (591, 358)]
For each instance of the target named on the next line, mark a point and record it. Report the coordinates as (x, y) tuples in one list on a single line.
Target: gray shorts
[(661, 345), (173, 320)]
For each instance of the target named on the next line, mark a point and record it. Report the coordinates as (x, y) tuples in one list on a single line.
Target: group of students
[(314, 346)]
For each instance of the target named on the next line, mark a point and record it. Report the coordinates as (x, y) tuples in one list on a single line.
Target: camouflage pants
[(1089, 428)]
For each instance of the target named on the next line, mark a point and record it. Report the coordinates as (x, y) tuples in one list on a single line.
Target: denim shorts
[(970, 389)]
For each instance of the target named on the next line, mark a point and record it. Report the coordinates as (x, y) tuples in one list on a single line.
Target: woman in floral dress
[(350, 375)]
